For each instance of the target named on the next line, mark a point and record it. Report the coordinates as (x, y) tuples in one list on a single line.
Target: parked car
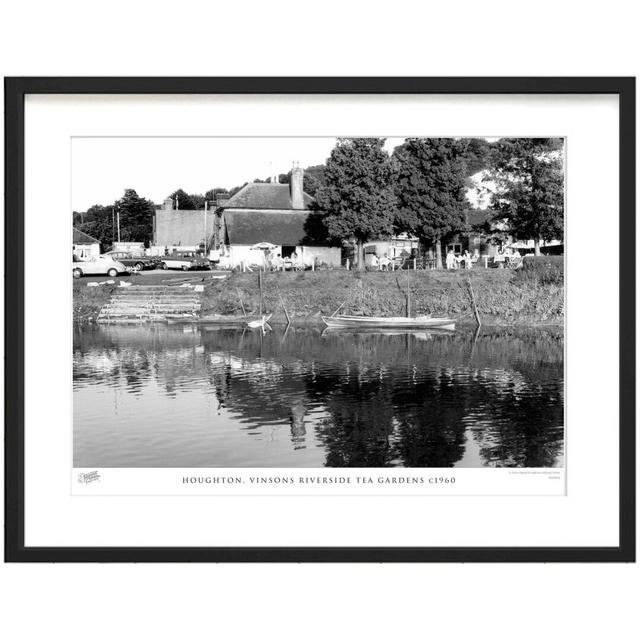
[(101, 266), (136, 262), (184, 260)]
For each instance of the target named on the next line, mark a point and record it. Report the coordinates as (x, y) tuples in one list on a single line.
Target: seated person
[(277, 262)]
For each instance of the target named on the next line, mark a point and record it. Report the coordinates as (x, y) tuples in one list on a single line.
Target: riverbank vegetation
[(504, 297), (87, 301), (530, 296)]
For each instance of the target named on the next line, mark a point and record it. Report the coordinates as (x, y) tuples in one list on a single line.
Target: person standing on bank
[(451, 259)]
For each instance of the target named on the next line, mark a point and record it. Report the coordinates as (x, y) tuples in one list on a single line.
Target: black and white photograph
[(318, 302)]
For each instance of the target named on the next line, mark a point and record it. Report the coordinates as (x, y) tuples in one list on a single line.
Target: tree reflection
[(360, 430), (431, 431), (366, 400)]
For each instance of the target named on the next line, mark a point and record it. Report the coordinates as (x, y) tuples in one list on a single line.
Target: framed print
[(320, 319)]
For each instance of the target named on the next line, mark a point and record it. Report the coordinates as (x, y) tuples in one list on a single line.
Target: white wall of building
[(327, 255), (86, 251), (237, 254)]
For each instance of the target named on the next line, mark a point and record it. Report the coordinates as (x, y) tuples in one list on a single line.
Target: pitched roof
[(80, 237), (264, 195), (291, 228)]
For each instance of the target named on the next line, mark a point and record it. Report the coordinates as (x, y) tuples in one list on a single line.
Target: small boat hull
[(420, 322), (254, 324)]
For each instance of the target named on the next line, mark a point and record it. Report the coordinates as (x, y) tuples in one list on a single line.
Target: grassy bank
[(87, 301), (504, 297)]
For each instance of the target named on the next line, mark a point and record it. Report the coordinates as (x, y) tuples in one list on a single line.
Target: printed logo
[(87, 478)]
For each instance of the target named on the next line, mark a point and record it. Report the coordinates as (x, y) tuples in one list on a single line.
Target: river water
[(198, 396)]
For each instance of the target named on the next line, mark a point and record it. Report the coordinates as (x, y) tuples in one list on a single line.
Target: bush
[(541, 270)]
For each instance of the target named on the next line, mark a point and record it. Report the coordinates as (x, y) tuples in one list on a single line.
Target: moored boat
[(419, 322)]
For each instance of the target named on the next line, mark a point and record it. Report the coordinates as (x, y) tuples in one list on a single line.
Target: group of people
[(381, 263), (506, 257), (464, 261), (277, 263)]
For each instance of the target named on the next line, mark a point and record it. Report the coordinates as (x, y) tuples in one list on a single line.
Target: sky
[(102, 168)]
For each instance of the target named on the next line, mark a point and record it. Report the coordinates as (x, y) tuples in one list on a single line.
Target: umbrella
[(264, 246)]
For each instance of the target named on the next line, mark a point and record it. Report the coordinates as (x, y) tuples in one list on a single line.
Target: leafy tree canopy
[(474, 153), (185, 201), (136, 217), (136, 220), (529, 187), (358, 194), (99, 222), (430, 186)]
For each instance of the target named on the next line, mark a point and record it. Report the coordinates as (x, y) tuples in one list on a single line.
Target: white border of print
[(56, 518)]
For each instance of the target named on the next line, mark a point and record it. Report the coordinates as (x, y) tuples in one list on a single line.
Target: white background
[(457, 601)]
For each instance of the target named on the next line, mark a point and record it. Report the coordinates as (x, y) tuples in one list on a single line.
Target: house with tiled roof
[(280, 215), (261, 213)]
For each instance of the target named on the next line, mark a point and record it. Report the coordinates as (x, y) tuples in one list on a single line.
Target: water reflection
[(223, 397)]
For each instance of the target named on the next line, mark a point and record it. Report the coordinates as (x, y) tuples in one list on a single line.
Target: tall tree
[(528, 192), (99, 222), (430, 186), (197, 199), (184, 200), (358, 195), (136, 217)]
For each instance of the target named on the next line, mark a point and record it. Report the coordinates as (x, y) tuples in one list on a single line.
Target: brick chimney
[(168, 204), (296, 188)]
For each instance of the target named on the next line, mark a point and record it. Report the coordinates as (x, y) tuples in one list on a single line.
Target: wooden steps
[(150, 303)]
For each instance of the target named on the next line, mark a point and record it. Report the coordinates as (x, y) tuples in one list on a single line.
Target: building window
[(288, 251)]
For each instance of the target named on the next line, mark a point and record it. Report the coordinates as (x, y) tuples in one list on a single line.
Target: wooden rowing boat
[(419, 322)]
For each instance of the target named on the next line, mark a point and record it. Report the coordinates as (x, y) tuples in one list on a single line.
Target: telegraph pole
[(206, 202)]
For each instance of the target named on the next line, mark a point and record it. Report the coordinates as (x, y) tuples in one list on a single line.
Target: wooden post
[(347, 264), (260, 287), (286, 313), (244, 313), (408, 295), (473, 301)]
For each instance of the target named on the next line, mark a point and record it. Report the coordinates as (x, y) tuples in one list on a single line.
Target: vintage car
[(184, 260), (100, 266), (135, 261)]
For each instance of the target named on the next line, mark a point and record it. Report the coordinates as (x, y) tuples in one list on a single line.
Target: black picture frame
[(15, 91)]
